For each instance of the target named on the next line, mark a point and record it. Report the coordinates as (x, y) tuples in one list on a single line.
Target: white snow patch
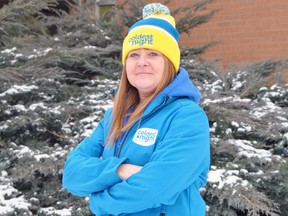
[(33, 107), (16, 89), (23, 151), (222, 177), (246, 149), (41, 156), (53, 211), (9, 50), (8, 205)]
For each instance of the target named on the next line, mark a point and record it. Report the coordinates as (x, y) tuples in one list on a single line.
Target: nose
[(142, 61)]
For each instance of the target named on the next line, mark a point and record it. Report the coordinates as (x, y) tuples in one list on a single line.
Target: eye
[(133, 54), (153, 53)]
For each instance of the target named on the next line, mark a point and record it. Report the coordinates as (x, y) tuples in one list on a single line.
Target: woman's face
[(145, 68)]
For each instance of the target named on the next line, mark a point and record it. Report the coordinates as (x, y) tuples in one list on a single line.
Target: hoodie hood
[(182, 86)]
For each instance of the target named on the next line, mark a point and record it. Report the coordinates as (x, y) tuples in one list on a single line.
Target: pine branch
[(20, 16)]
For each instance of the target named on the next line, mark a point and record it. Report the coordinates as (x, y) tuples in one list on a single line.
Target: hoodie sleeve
[(177, 162), (84, 171)]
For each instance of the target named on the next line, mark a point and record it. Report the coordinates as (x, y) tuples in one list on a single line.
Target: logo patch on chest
[(145, 136)]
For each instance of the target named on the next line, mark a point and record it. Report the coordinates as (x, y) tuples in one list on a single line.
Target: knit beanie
[(155, 31)]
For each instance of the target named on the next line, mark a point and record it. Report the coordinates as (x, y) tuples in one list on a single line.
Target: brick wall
[(247, 31)]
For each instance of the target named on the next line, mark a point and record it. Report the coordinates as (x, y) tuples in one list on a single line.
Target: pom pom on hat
[(155, 8), (155, 31)]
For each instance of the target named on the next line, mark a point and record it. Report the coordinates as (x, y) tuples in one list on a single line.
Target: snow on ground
[(11, 199), (8, 206)]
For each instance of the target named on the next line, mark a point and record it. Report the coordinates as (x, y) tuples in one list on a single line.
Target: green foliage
[(238, 191), (18, 18), (240, 201), (120, 18), (276, 186), (81, 65), (78, 48), (254, 76), (229, 111)]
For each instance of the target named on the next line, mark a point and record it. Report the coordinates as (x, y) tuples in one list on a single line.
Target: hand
[(124, 171)]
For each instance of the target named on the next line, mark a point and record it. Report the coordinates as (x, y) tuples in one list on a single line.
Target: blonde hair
[(127, 98)]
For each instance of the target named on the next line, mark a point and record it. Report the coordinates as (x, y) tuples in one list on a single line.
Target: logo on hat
[(141, 40)]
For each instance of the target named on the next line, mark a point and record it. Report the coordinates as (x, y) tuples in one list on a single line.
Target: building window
[(102, 6)]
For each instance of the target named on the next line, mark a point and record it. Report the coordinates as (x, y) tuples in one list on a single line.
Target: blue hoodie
[(171, 142)]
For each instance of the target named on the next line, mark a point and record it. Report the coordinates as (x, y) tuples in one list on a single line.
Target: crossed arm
[(124, 171)]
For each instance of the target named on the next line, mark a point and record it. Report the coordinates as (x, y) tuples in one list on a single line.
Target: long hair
[(127, 98)]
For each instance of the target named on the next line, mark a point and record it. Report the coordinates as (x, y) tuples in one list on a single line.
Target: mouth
[(143, 73)]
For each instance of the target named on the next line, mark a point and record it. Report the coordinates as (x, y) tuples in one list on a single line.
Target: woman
[(150, 154)]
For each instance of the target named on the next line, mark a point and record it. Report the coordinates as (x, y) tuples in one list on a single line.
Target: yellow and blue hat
[(157, 31)]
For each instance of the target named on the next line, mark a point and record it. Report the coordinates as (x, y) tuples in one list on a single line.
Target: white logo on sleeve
[(145, 136)]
